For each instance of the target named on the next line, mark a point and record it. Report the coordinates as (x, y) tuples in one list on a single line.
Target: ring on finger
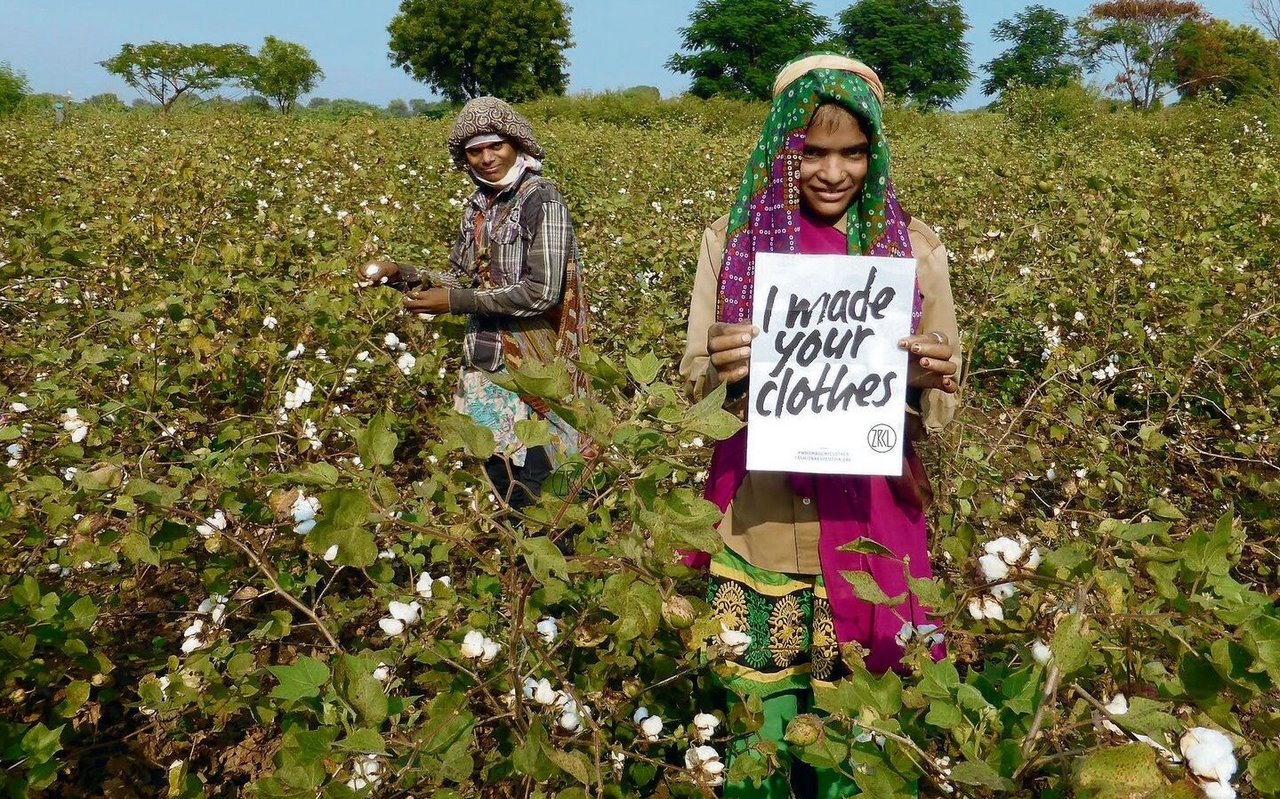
[(941, 339)]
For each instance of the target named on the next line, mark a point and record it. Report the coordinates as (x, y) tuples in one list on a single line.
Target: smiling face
[(834, 165), (492, 161)]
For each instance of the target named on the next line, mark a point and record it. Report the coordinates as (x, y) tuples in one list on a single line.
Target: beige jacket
[(766, 524)]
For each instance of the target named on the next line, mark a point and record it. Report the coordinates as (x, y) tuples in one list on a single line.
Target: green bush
[(13, 87)]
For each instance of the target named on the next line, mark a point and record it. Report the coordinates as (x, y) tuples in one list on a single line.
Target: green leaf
[(354, 681), (1262, 639), (976, 772), (1162, 508), (1071, 646), (544, 558), (302, 679), (865, 586), (40, 742), (866, 546), (533, 432), (137, 548), (575, 763), (344, 516), (644, 370), (460, 432), (6, 505), (77, 694), (1264, 770), (1132, 767), (363, 741), (376, 443)]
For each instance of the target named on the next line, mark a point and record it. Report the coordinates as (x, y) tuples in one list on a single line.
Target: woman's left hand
[(929, 362), (432, 301)]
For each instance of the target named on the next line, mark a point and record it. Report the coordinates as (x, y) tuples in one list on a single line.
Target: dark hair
[(830, 116)]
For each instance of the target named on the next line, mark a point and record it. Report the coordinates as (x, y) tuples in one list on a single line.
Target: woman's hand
[(730, 349), (376, 273), (929, 362), (431, 301)]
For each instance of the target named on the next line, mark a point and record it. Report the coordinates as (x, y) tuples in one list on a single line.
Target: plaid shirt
[(530, 240)]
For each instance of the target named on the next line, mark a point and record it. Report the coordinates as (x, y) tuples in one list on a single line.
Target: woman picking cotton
[(514, 272), (817, 183)]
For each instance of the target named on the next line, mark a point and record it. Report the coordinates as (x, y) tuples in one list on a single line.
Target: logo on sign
[(881, 438)]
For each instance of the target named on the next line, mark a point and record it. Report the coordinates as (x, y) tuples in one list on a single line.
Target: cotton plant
[(76, 426), (304, 510), (929, 633), (400, 616), (300, 394), (478, 646), (213, 525), (704, 727), (1002, 558), (423, 587), (548, 629), (704, 765), (650, 724), (732, 642), (366, 772)]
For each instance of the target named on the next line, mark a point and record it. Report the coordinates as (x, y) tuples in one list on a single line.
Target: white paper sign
[(828, 386)]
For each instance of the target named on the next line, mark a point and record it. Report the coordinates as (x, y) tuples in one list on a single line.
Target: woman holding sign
[(817, 183)]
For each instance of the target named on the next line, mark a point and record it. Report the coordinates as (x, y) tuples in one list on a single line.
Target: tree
[(282, 72), (167, 71), (1136, 36), (737, 46), (916, 46), (1041, 55), (1267, 13), (1232, 60), (13, 87), (512, 49), (398, 108)]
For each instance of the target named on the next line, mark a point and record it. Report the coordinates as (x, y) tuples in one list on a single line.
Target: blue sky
[(620, 43)]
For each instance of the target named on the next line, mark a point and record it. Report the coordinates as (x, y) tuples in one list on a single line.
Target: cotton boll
[(548, 630), (407, 612), (423, 586), (1218, 790), (489, 650), (382, 672), (1118, 706), (652, 727), (331, 553), (543, 693), (1209, 753), (993, 567), (392, 627), (1003, 591), (191, 644), (735, 642), (570, 721), (640, 715), (472, 644), (1041, 653)]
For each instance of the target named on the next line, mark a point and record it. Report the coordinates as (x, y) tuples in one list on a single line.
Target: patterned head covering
[(766, 214), (491, 115)]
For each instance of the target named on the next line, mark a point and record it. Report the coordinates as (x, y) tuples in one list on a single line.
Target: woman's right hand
[(730, 349), (377, 273)]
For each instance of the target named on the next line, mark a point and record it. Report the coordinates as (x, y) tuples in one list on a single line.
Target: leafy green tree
[(1232, 60), (282, 72), (398, 108), (13, 87), (1042, 52), (167, 71), (1136, 37), (916, 46), (513, 49), (737, 46)]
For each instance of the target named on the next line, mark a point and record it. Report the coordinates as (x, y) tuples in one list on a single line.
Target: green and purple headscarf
[(766, 214)]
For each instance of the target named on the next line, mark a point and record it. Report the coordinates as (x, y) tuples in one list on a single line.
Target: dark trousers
[(528, 479)]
